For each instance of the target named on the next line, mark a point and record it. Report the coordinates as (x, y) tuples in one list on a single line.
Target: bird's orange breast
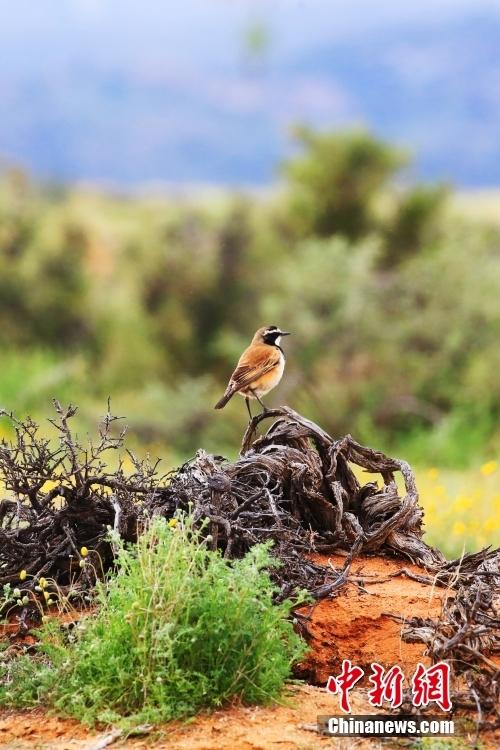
[(266, 382)]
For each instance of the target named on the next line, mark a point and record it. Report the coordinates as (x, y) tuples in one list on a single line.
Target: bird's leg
[(264, 407), (247, 402)]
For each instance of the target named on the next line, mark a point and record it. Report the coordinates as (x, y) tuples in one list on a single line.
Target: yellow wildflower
[(458, 528), (489, 468), (173, 523), (491, 524), (48, 485), (433, 474), (463, 502), (42, 582), (22, 575), (84, 552)]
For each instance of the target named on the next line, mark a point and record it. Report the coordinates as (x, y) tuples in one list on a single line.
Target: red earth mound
[(358, 623)]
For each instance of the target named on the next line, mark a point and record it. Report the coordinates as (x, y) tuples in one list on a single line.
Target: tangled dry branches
[(295, 485), (62, 497), (467, 635)]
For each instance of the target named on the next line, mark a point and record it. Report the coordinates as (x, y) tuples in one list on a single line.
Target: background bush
[(392, 299)]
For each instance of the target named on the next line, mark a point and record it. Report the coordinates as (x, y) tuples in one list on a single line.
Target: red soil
[(284, 727), (236, 728), (357, 624)]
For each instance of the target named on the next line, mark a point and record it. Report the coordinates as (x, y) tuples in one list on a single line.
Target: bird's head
[(269, 335)]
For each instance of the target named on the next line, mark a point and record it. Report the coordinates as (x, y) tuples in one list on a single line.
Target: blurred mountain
[(128, 93)]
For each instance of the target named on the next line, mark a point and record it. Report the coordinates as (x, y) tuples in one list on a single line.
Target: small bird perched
[(259, 369)]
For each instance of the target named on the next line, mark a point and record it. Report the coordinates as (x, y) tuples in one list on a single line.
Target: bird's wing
[(253, 363)]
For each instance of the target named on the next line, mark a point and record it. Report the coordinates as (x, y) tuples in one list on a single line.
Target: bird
[(259, 369)]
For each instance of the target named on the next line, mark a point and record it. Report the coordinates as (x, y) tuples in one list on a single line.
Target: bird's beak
[(285, 333)]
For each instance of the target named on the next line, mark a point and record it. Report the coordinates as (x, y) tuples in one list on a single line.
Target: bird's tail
[(223, 401)]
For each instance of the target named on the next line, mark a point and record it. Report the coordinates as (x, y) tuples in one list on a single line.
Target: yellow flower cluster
[(462, 509), (489, 468)]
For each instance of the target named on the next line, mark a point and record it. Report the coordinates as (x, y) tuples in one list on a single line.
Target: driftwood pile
[(294, 486)]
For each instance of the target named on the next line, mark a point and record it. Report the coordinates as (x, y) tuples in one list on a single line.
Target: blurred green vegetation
[(392, 299)]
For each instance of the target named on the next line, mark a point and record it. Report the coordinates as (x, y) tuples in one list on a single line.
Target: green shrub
[(335, 179), (179, 629), (416, 225)]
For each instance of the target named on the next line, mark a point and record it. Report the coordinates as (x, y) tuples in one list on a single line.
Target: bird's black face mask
[(273, 336)]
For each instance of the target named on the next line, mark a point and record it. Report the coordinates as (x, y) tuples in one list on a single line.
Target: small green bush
[(179, 629), (334, 181)]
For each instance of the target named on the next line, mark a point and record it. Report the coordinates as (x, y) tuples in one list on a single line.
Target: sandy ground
[(356, 625), (236, 728), (285, 727)]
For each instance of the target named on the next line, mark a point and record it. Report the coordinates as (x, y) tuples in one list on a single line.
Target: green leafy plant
[(179, 628)]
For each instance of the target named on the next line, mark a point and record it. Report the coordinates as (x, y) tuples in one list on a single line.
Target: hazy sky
[(192, 26), (122, 89)]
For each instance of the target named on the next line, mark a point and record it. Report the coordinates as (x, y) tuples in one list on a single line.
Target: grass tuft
[(178, 629)]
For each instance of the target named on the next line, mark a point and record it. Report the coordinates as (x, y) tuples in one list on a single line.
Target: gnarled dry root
[(296, 486)]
